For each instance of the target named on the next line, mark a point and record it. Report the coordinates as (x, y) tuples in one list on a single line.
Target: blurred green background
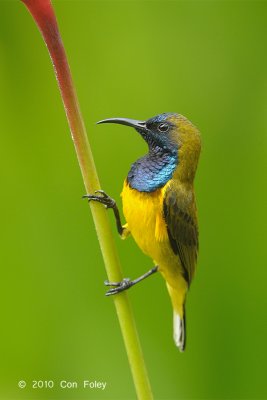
[(206, 60)]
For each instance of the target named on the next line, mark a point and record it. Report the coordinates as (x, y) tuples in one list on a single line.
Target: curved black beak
[(140, 126)]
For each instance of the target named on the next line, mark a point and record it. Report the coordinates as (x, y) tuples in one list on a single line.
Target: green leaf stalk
[(44, 16)]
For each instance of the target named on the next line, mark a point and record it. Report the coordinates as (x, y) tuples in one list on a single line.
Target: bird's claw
[(126, 283), (102, 198)]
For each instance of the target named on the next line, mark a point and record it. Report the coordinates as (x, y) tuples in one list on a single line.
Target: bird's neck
[(152, 171)]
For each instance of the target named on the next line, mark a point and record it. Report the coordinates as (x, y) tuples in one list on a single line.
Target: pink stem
[(44, 16)]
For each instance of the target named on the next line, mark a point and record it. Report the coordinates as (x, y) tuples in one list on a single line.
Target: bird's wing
[(180, 215)]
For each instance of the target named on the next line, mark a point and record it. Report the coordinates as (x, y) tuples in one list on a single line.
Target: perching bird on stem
[(159, 206)]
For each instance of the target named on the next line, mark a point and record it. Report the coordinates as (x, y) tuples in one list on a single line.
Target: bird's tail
[(178, 298), (179, 330)]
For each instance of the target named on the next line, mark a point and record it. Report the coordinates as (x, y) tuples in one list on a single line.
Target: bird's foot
[(102, 198), (125, 284)]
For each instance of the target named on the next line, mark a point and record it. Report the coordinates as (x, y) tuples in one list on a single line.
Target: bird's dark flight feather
[(180, 216)]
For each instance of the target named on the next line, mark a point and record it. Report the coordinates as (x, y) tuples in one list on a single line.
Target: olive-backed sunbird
[(159, 206)]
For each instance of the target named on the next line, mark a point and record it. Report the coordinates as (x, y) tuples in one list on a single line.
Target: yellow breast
[(144, 215)]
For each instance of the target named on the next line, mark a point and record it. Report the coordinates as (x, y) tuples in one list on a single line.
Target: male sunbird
[(159, 206)]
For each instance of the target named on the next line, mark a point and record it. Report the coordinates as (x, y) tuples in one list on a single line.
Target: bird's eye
[(163, 127)]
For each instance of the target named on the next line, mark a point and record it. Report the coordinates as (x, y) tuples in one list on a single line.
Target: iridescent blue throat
[(152, 171)]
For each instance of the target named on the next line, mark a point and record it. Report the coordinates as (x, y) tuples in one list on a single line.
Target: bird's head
[(169, 133)]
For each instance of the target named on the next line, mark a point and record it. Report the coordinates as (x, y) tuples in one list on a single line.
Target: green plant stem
[(44, 16)]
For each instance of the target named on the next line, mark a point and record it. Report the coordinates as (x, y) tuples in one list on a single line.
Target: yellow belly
[(144, 215)]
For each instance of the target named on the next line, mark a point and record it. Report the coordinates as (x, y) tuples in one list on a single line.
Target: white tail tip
[(179, 331)]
